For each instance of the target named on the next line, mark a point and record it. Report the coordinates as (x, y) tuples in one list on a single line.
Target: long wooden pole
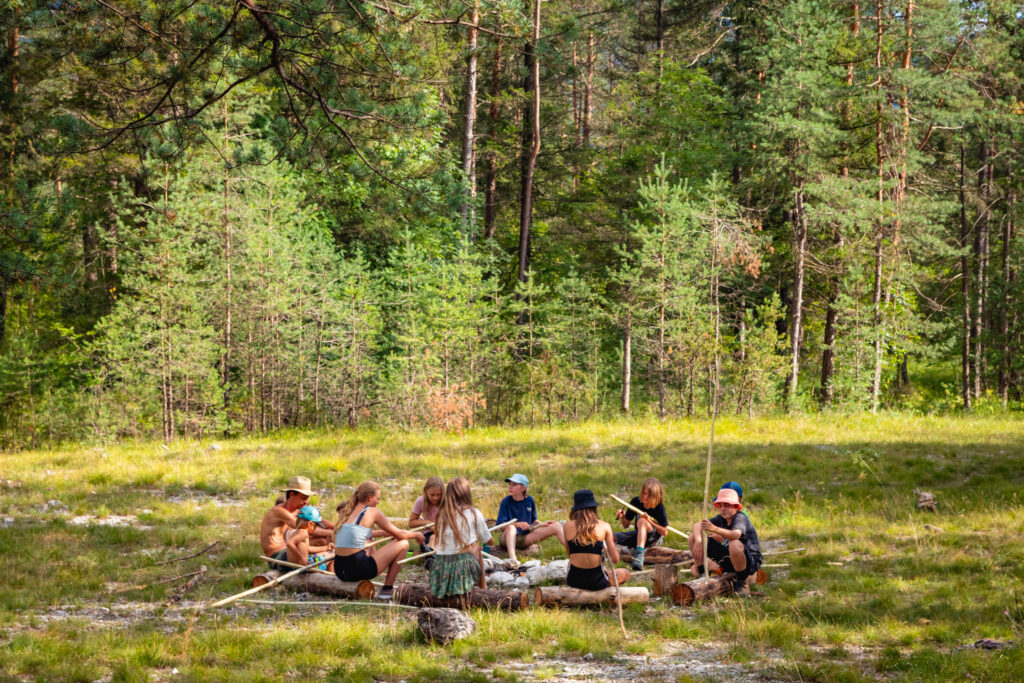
[(641, 512), (382, 539), (618, 593), (492, 530), (268, 584)]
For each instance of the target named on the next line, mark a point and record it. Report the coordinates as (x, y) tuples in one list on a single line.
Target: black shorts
[(719, 552), (355, 567), (587, 579), (628, 538), (281, 554)]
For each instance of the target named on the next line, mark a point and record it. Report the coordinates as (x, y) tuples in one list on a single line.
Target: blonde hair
[(434, 482), (456, 499), (653, 487), (362, 494), (586, 525)]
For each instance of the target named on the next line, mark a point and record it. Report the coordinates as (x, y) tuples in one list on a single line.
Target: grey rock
[(443, 624)]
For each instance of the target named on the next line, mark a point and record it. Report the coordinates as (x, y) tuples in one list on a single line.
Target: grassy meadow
[(882, 591)]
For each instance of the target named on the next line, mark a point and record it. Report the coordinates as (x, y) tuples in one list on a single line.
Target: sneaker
[(638, 560), (739, 585), (386, 594)]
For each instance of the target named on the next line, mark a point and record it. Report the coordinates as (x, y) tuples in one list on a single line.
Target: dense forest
[(224, 217)]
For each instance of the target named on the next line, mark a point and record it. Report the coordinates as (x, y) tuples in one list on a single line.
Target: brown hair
[(456, 499), (361, 495), (653, 486), (586, 525), (434, 482)]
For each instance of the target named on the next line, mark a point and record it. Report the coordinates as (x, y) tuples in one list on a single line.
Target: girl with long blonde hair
[(460, 531), (356, 520), (587, 537)]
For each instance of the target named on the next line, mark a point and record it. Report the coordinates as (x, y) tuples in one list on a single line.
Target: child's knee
[(402, 545)]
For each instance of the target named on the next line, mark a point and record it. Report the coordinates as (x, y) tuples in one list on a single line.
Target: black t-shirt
[(748, 535), (657, 513)]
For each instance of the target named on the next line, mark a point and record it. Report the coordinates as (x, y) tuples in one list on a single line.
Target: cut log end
[(704, 588)]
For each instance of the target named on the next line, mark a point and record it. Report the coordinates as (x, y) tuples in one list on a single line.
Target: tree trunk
[(469, 122), (965, 290), (708, 587), (799, 222), (226, 359), (981, 255), (876, 299), (666, 578), (491, 178), (419, 595), (321, 584), (564, 595), (3, 310), (627, 362), (588, 83), (531, 143), (1004, 313)]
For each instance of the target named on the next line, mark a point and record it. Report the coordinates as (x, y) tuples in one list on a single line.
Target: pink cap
[(728, 496)]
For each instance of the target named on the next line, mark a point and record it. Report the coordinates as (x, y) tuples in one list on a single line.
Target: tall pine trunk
[(491, 175), (876, 297), (981, 256), (627, 362), (469, 122), (531, 143), (965, 290), (798, 220), (1004, 313)]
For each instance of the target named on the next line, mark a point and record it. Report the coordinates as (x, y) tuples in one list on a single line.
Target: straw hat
[(300, 484)]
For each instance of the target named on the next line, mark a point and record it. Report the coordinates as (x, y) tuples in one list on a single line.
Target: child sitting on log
[(650, 527), (355, 527), (586, 538), (519, 506), (460, 532), (732, 540), (424, 510), (303, 547)]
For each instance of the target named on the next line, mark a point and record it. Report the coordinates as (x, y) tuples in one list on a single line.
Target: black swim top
[(595, 548)]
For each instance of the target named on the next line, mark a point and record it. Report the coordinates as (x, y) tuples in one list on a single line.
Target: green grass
[(876, 594)]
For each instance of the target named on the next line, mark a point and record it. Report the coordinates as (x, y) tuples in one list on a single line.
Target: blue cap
[(519, 479), (310, 514), (734, 486)]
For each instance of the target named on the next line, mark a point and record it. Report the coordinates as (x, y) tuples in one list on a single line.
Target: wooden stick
[(187, 557), (285, 563), (492, 530), (257, 589), (641, 512), (325, 603), (618, 593), (783, 552), (382, 539)]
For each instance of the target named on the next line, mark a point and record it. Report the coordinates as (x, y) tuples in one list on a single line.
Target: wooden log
[(419, 595), (659, 555), (704, 588), (564, 595), (321, 584), (666, 577)]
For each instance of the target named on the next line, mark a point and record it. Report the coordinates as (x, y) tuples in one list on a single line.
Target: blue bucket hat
[(734, 486), (310, 514), (519, 479)]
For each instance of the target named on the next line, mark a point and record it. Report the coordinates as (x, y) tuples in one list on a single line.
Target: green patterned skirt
[(454, 574)]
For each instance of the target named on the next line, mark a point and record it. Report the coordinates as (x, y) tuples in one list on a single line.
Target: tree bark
[(705, 587), (531, 143), (419, 595), (1004, 313), (627, 362), (321, 584), (564, 595), (491, 177), (799, 223), (965, 290), (876, 298), (981, 255), (469, 122), (666, 578)]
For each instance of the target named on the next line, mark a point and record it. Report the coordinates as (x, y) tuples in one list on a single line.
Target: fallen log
[(660, 555), (564, 595), (666, 577), (704, 587), (321, 584), (419, 595)]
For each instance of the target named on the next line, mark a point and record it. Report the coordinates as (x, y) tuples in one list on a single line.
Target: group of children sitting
[(295, 532)]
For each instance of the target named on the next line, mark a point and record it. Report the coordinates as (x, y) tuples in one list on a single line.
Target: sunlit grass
[(876, 592)]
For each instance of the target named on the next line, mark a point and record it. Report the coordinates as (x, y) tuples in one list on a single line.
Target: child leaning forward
[(650, 526), (732, 540), (460, 531)]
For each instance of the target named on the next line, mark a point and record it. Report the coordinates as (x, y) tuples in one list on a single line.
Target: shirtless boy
[(281, 518)]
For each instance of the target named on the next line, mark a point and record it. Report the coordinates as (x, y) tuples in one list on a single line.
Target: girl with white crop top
[(355, 526)]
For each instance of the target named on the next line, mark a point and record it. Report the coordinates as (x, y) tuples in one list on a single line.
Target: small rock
[(926, 500), (989, 644), (588, 657), (501, 578), (443, 624), (934, 529), (522, 583), (529, 564), (214, 447)]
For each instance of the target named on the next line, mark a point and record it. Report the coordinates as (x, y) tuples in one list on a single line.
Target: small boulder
[(501, 578), (444, 625), (926, 501)]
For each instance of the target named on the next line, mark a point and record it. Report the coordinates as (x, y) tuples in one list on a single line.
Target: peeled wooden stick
[(285, 563), (783, 552), (492, 530), (382, 539), (257, 589), (641, 512)]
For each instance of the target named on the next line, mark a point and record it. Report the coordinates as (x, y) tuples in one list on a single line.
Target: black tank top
[(595, 548)]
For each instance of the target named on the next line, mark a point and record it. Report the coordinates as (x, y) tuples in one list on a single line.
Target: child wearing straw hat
[(302, 546), (586, 538), (732, 540)]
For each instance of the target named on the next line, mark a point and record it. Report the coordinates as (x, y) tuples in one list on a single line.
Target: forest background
[(229, 217)]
